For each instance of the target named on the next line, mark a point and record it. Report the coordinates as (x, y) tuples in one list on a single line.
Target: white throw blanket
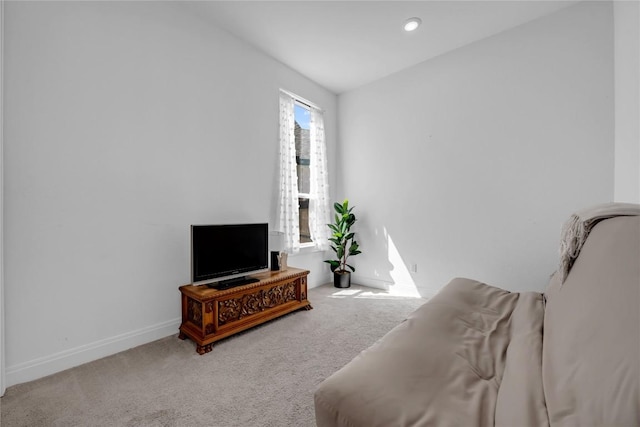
[(577, 228)]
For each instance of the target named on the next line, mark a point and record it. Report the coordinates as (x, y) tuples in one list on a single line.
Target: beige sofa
[(476, 355)]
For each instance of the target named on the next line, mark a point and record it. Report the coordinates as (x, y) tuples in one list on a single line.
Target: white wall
[(468, 164), (2, 345), (125, 122), (627, 100)]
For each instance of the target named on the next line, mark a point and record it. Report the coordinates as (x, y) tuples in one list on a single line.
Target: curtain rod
[(302, 100)]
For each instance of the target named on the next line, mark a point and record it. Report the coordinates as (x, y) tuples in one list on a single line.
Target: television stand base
[(232, 283), (209, 315)]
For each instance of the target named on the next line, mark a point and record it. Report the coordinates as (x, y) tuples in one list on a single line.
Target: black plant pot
[(342, 279)]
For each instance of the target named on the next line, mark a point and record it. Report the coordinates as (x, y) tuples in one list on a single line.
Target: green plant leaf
[(353, 249), (334, 264)]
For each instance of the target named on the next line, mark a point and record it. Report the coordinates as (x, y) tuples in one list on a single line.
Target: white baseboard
[(47, 365), (371, 282), (319, 281)]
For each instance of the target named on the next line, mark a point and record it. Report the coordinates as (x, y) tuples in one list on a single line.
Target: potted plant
[(343, 244)]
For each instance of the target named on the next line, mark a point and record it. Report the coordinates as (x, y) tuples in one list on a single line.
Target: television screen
[(223, 252)]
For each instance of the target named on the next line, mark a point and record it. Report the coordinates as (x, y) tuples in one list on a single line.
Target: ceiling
[(346, 44)]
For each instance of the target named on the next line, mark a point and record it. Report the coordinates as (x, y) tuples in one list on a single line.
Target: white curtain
[(288, 213), (319, 215)]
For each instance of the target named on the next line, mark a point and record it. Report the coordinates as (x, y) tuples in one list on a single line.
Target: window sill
[(307, 248)]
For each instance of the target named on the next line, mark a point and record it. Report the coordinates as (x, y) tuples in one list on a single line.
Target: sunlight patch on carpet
[(360, 293)]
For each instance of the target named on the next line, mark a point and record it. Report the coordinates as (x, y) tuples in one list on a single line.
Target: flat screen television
[(223, 255)]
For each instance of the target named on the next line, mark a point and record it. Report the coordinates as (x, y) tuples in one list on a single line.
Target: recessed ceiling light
[(412, 24)]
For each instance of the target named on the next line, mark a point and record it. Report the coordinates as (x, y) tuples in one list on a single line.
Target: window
[(303, 204), (302, 118)]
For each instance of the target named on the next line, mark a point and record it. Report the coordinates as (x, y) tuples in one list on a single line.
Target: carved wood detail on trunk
[(194, 311), (209, 329), (234, 309), (208, 308)]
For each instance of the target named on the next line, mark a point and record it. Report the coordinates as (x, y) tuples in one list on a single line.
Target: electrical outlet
[(414, 268)]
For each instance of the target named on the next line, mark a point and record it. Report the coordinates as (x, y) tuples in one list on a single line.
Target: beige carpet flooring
[(265, 376)]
